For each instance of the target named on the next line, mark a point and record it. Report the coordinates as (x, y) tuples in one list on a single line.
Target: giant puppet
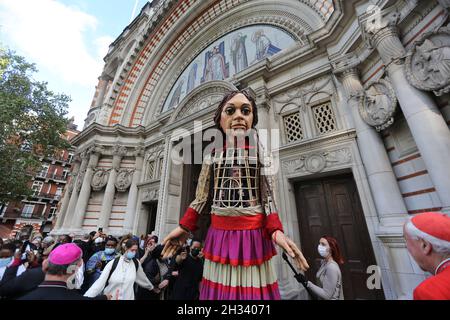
[(244, 221)]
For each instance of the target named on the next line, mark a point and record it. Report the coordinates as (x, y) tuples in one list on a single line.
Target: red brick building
[(38, 211)]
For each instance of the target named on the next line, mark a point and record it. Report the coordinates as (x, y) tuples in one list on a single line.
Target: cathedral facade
[(352, 96)]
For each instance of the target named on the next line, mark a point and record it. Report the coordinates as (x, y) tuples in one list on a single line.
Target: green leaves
[(32, 124)]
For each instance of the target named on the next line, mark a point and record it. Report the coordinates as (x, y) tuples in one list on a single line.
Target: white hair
[(439, 246)]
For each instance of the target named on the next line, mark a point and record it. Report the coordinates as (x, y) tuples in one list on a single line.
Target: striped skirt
[(238, 262)]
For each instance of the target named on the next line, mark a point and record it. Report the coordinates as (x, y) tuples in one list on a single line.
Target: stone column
[(383, 183), (427, 125), (133, 193), (70, 189), (77, 182), (108, 198), (83, 198)]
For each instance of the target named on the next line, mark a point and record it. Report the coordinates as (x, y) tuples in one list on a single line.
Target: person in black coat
[(62, 276), (157, 271), (190, 273), (12, 286)]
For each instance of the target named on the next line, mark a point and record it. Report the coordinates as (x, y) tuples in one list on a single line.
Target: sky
[(67, 40)]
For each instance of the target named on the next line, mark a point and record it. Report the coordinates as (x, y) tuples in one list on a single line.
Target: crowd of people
[(98, 266), (101, 267)]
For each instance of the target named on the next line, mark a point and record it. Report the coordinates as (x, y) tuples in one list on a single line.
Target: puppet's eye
[(229, 111), (246, 111)]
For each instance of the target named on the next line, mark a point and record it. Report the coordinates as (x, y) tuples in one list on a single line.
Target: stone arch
[(296, 17), (204, 97)]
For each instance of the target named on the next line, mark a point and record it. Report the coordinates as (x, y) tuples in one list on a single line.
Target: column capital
[(119, 150), (379, 30), (347, 64), (139, 151), (444, 3), (95, 149)]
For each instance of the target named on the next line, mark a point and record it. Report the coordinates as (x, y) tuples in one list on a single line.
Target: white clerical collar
[(441, 264)]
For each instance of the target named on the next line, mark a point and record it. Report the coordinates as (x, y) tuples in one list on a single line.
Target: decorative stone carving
[(427, 64), (80, 179), (201, 99), (90, 119), (377, 104), (119, 150), (124, 179), (95, 148), (100, 179), (139, 151), (154, 152), (299, 92), (317, 162), (150, 195)]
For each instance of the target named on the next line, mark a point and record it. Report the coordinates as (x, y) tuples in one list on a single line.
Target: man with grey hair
[(427, 238)]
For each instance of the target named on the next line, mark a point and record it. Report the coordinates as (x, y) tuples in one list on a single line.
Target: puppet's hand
[(174, 240), (291, 249)]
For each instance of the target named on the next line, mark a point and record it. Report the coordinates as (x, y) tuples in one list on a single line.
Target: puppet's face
[(237, 115)]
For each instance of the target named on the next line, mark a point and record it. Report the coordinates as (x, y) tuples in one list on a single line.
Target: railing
[(26, 214), (53, 176)]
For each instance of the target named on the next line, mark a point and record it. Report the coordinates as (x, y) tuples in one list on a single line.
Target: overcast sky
[(67, 39)]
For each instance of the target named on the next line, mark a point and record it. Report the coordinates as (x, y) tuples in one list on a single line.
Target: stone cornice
[(305, 145), (116, 130)]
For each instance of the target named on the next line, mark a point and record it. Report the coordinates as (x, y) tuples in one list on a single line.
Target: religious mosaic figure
[(264, 46), (239, 52), (245, 224), (215, 66), (175, 100), (192, 77)]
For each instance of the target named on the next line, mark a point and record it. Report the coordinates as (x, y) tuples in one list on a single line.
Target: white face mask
[(323, 251)]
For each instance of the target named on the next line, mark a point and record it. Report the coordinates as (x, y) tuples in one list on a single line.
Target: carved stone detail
[(80, 179), (100, 179), (119, 150), (201, 101), (301, 91), (378, 104), (95, 148), (124, 179), (139, 151), (317, 162), (150, 195), (427, 64), (154, 151)]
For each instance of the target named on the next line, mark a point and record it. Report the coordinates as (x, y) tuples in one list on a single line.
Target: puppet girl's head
[(236, 113)]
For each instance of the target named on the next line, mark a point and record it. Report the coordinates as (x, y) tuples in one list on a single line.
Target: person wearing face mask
[(98, 261), (120, 275), (157, 271), (190, 272), (63, 275), (329, 277)]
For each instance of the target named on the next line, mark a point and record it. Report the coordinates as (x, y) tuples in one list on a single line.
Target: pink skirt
[(238, 266)]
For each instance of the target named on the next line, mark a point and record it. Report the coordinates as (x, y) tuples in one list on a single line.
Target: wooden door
[(331, 206)]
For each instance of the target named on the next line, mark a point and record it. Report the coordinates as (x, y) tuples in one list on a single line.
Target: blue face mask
[(130, 255), (5, 261), (109, 251)]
